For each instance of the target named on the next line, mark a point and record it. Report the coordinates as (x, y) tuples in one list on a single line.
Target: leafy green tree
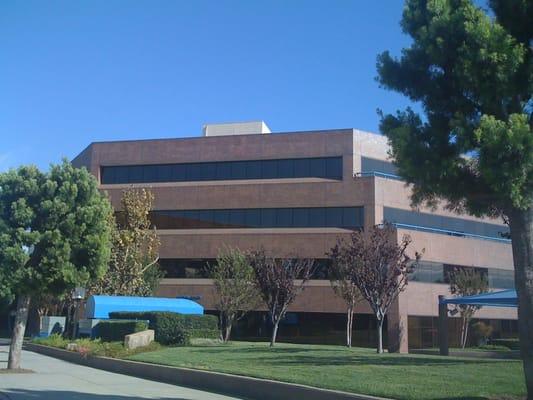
[(467, 282), (133, 268), (236, 291), (472, 74), (54, 235)]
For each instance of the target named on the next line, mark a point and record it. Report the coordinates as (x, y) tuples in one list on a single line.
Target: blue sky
[(73, 72)]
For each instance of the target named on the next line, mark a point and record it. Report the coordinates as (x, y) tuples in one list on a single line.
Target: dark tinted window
[(301, 168), (374, 165), (317, 217), (301, 217), (136, 174), (238, 170), (223, 171), (268, 217), (319, 167), (442, 224), (286, 168), (341, 217), (334, 167), (284, 217), (253, 169), (269, 169), (334, 217), (201, 267)]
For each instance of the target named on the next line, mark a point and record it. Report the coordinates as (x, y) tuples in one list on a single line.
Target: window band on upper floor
[(301, 217), (439, 224), (425, 271), (317, 167), (380, 168)]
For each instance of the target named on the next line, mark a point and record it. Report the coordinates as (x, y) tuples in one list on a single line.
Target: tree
[(472, 74), (276, 280), (133, 268), (467, 282), (380, 267), (234, 281), (54, 235), (341, 276)]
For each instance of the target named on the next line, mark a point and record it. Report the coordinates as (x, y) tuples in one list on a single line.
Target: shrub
[(53, 340), (112, 331), (482, 332), (512, 344), (175, 329)]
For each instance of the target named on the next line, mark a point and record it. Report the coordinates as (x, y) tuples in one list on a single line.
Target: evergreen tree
[(54, 236), (472, 73)]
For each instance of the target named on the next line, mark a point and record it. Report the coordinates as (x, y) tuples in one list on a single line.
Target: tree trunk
[(521, 224), (274, 333), (349, 321), (21, 318), (465, 339), (227, 331), (463, 332), (380, 336)]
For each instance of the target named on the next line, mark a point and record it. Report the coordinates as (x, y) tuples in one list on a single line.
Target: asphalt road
[(54, 379)]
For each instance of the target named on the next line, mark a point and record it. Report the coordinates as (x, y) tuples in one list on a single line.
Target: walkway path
[(59, 380)]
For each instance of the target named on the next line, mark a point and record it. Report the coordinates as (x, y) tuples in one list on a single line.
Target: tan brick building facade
[(294, 194)]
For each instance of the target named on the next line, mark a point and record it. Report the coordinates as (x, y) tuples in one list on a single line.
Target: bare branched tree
[(234, 282), (341, 276), (380, 267), (467, 282), (279, 282)]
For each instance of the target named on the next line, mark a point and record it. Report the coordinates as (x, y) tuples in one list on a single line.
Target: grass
[(355, 370)]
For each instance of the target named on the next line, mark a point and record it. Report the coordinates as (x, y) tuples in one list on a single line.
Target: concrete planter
[(234, 385)]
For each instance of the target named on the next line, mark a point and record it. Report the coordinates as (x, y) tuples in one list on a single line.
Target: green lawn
[(355, 370)]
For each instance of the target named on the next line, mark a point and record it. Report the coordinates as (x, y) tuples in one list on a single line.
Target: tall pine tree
[(472, 73)]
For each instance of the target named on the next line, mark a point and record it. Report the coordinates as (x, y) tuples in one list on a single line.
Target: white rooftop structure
[(236, 128)]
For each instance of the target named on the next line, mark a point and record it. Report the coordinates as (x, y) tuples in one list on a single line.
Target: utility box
[(52, 325), (86, 327)]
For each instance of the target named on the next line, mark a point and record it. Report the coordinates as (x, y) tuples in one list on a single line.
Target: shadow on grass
[(298, 356), (379, 361), (274, 350)]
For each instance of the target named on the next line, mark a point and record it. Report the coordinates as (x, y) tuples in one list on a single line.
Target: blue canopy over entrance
[(504, 298)]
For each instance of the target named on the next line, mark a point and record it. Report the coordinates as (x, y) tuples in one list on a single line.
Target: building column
[(443, 327), (397, 326)]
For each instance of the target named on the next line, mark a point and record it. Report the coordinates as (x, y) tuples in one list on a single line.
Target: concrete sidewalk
[(57, 380)]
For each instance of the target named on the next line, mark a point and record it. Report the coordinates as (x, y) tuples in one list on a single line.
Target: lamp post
[(78, 294)]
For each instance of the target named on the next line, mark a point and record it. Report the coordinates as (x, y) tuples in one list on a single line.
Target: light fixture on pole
[(78, 294)]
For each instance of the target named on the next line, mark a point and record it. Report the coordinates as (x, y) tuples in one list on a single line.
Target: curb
[(233, 385)]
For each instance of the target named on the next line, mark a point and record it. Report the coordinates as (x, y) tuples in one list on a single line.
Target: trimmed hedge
[(175, 329), (114, 331)]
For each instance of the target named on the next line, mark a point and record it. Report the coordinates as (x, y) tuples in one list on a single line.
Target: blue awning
[(504, 298), (101, 306)]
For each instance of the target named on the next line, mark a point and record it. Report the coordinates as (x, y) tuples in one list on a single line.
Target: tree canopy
[(472, 74), (54, 231), (54, 235), (133, 268)]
